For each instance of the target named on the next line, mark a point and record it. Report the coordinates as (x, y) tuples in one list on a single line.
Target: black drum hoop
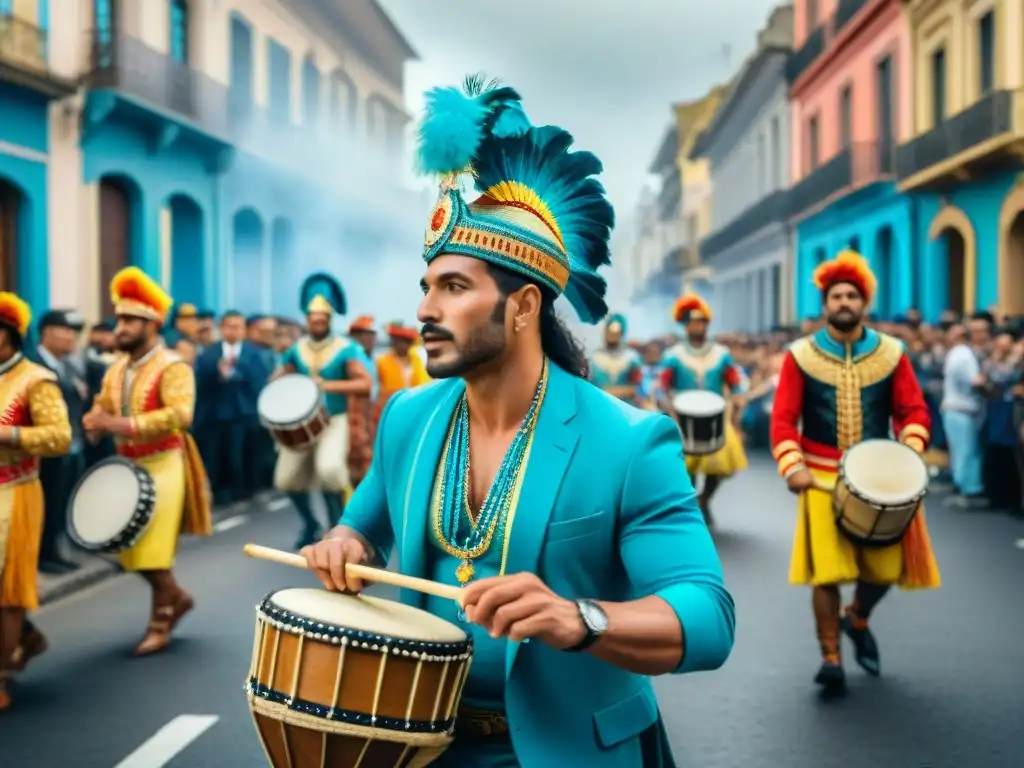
[(138, 523)]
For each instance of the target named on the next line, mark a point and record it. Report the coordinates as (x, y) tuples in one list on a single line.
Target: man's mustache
[(431, 332)]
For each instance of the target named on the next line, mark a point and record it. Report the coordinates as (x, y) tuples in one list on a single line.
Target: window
[(310, 93), (179, 31), (986, 53), (812, 16), (938, 86), (846, 117), (776, 154), (813, 149)]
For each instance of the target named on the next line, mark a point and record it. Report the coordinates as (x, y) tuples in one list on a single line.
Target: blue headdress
[(619, 321), (540, 212), (322, 293)]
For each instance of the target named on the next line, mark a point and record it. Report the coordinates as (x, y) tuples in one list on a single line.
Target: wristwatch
[(596, 622)]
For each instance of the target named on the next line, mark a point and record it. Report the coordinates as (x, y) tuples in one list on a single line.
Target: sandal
[(33, 644), (162, 624)]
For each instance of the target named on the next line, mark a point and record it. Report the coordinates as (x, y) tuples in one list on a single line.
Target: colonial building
[(967, 145), (224, 147), (749, 250), (849, 76), (35, 75)]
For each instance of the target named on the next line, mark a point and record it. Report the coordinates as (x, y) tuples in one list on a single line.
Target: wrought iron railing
[(991, 116), (845, 11), (805, 55), (859, 165), (22, 44)]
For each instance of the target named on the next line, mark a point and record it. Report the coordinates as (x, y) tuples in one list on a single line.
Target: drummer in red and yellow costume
[(33, 424), (846, 383), (146, 403), (399, 368), (699, 364)]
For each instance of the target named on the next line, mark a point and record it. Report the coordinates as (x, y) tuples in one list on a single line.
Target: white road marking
[(229, 523), (169, 741), (1019, 544), (278, 504)]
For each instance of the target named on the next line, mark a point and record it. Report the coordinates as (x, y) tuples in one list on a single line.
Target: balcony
[(128, 76), (859, 165), (24, 61), (771, 209), (845, 11), (803, 57), (967, 143)]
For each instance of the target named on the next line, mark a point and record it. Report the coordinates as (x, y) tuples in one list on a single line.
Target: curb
[(95, 569)]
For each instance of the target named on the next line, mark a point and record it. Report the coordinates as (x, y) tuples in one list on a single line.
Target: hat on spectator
[(398, 330), (62, 318), (136, 294), (848, 267), (363, 324)]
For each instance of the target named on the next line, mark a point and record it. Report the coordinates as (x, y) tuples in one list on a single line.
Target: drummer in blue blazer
[(565, 514)]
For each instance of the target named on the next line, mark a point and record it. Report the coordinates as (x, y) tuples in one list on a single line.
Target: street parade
[(305, 464)]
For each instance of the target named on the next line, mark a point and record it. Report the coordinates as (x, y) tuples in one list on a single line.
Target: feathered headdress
[(848, 267), (136, 294), (540, 212), (402, 331), (617, 322), (15, 313), (322, 293), (363, 324), (691, 306)]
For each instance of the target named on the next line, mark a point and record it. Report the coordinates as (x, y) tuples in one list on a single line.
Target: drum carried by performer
[(146, 404), (306, 407), (698, 365), (860, 514)]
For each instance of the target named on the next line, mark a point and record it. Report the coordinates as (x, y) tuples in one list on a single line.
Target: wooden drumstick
[(365, 572)]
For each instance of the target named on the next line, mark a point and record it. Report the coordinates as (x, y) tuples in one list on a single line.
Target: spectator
[(1002, 374), (962, 416)]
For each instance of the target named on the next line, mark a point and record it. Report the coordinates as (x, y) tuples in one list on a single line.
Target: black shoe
[(865, 647), (831, 678), (57, 566)]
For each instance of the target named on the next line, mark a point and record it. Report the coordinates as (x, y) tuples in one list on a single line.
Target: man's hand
[(522, 607), (7, 436), (328, 558), (800, 481)]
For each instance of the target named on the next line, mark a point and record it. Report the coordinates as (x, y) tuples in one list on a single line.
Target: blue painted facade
[(881, 224), (982, 201), (24, 143)]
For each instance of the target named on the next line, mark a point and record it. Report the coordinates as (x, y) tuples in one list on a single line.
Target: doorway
[(1011, 273), (115, 235), (10, 211), (955, 270)]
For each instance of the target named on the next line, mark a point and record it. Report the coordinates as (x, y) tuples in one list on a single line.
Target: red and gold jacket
[(832, 396), (32, 404)]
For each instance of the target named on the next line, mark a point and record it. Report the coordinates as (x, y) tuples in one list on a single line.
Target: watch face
[(595, 618)]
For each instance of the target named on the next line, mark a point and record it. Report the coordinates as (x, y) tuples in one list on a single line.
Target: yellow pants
[(21, 529), (823, 555), (156, 549), (724, 463)]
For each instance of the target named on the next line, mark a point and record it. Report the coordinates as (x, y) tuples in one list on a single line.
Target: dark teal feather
[(323, 284)]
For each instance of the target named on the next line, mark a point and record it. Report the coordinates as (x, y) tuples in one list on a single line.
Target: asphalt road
[(952, 694)]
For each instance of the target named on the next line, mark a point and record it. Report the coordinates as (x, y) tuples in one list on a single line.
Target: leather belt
[(481, 724)]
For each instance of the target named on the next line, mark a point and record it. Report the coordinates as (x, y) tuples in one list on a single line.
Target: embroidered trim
[(915, 430), (786, 446), (513, 250)]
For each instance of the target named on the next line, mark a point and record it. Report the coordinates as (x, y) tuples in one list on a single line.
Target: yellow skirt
[(156, 549), (21, 506), (823, 555), (726, 462)]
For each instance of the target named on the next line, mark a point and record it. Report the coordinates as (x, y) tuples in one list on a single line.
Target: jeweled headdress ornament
[(322, 293), (540, 211)]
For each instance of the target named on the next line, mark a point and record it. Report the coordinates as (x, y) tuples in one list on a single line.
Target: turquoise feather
[(323, 284)]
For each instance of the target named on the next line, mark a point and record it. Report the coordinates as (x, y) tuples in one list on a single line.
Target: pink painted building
[(850, 79)]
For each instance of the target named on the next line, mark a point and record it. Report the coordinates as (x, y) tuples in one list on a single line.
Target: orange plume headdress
[(691, 305), (848, 267), (15, 313), (136, 294), (400, 331), (362, 324)]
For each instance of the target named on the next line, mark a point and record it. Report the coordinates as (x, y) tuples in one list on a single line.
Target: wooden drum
[(340, 681)]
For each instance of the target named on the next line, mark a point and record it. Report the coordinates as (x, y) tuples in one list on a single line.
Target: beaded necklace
[(455, 530)]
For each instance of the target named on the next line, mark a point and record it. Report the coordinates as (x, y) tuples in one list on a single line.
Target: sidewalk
[(95, 569)]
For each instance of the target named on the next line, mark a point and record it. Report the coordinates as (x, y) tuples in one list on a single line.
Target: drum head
[(289, 399), (885, 472), (105, 502), (698, 403), (368, 614)]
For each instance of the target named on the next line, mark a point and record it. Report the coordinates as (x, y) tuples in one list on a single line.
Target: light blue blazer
[(607, 511)]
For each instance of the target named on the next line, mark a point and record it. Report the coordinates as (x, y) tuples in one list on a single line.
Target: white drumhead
[(289, 399), (104, 503), (885, 471), (368, 614), (698, 403)]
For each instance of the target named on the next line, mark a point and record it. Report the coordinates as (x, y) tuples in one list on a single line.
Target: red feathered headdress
[(848, 267), (690, 306), (15, 313)]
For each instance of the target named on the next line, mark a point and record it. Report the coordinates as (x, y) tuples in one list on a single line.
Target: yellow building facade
[(966, 156)]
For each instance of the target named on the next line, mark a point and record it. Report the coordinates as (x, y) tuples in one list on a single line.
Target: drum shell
[(290, 671), (138, 523), (300, 436), (869, 524), (702, 435)]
